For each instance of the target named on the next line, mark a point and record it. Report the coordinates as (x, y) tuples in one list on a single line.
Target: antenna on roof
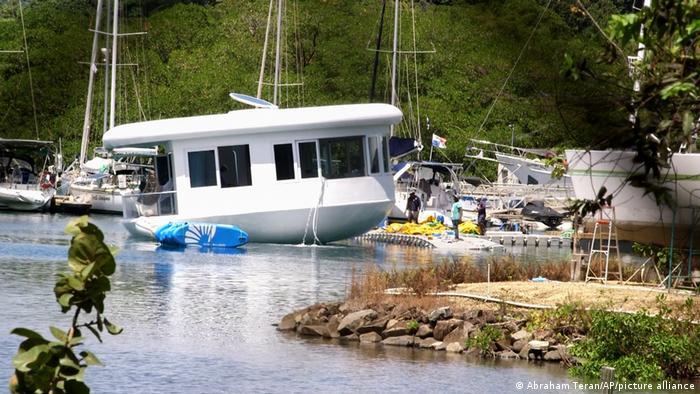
[(252, 101)]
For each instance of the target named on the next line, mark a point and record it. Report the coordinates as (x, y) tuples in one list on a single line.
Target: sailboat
[(283, 175), (27, 168), (104, 179), (434, 182)]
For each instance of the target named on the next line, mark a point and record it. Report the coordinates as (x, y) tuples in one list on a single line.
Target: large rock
[(444, 327), (552, 355), (288, 322), (424, 331), (520, 335), (542, 334), (459, 334), (426, 343), (519, 345), (370, 337), (443, 313), (507, 354), (454, 347), (525, 352), (377, 325), (316, 330), (503, 344), (332, 326), (352, 321), (396, 330), (439, 345), (405, 340)]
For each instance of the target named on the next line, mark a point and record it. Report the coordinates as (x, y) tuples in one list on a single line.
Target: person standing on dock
[(481, 216), (413, 207), (456, 215)]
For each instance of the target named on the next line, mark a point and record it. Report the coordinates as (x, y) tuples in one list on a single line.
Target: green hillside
[(195, 53)]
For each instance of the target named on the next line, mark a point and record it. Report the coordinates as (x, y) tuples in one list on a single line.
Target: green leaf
[(676, 88), (76, 387), (95, 332), (74, 226), (90, 359), (76, 340), (23, 359), (67, 362), (27, 333), (76, 283), (112, 328), (86, 272), (64, 300), (58, 333)]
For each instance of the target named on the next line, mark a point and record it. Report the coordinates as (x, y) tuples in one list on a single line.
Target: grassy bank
[(645, 334)]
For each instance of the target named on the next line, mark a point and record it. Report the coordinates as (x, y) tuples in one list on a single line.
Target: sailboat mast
[(91, 80), (394, 53), (376, 53), (105, 105), (264, 53), (278, 57), (113, 91)]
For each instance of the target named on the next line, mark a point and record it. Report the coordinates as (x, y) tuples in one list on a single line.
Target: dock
[(490, 241)]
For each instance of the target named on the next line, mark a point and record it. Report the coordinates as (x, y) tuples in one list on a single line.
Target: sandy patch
[(616, 297)]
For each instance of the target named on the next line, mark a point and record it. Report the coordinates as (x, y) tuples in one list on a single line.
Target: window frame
[(216, 166)]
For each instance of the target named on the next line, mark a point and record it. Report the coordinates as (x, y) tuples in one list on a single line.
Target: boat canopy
[(251, 121), (399, 147), (31, 144)]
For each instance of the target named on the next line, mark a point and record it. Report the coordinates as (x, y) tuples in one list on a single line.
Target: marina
[(296, 239), (189, 315)]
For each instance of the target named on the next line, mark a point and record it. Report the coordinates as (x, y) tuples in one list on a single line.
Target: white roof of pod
[(251, 121)]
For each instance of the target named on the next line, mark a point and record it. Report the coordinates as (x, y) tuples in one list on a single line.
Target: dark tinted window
[(234, 165), (373, 155), (385, 151), (202, 166), (308, 162), (284, 161), (342, 157)]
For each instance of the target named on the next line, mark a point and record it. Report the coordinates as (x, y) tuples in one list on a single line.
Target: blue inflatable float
[(202, 234)]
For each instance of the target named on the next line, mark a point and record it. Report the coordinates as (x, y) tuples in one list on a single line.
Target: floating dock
[(492, 240)]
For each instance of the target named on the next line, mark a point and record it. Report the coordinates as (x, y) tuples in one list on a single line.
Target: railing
[(149, 204)]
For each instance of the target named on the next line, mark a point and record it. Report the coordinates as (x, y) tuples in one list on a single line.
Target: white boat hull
[(531, 172), (24, 199), (101, 200), (637, 216), (284, 226)]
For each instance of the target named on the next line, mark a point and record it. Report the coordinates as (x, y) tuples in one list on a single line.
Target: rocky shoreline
[(475, 332)]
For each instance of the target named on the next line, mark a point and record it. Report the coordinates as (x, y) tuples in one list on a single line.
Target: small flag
[(439, 142)]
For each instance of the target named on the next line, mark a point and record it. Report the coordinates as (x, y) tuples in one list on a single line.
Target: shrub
[(640, 347), (484, 339), (52, 366)]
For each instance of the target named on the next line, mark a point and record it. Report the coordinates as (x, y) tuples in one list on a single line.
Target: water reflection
[(202, 322)]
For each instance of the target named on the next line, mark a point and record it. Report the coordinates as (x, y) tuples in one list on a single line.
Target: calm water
[(199, 322)]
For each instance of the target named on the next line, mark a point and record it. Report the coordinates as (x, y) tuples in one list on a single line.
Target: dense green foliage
[(53, 366), (641, 347), (667, 103), (196, 52)]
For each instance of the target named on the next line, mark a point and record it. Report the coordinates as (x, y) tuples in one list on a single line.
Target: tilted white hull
[(24, 199), (531, 172), (292, 214), (637, 215)]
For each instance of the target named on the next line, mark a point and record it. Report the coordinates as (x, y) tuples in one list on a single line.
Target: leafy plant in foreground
[(53, 366), (640, 347)]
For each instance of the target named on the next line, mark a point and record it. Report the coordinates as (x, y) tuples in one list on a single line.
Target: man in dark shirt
[(412, 207), (481, 216)]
